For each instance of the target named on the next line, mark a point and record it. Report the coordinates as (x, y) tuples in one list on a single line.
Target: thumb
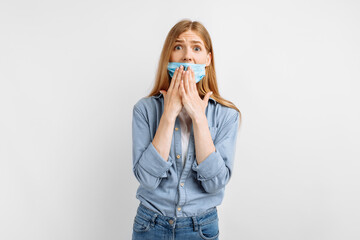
[(207, 96), (163, 92)]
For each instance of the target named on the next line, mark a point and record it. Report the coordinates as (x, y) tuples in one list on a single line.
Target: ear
[(208, 59)]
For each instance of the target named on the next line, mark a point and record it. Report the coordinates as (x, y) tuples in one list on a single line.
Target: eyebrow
[(192, 41)]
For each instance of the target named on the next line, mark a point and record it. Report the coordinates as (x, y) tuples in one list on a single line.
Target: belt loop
[(153, 220), (195, 224)]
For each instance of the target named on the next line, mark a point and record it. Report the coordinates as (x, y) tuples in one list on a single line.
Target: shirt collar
[(160, 95)]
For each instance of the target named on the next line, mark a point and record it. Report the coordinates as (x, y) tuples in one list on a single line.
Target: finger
[(191, 82), (172, 83), (179, 77), (186, 82), (182, 90)]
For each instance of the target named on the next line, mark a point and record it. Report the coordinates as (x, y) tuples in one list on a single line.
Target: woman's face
[(189, 48)]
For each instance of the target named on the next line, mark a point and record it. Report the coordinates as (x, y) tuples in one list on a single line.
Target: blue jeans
[(149, 225)]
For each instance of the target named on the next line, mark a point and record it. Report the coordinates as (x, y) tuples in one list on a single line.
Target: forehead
[(189, 36)]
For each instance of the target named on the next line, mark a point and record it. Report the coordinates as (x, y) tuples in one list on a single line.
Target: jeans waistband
[(178, 222)]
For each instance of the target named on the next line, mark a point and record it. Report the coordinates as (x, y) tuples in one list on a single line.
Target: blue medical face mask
[(199, 69)]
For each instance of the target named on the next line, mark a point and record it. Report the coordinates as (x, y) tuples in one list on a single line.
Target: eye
[(197, 49), (178, 47)]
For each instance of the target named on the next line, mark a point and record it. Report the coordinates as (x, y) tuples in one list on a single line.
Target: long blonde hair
[(209, 82)]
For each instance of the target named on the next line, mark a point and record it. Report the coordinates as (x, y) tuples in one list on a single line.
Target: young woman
[(184, 137)]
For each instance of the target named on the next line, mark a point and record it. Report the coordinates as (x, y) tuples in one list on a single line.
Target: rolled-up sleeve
[(215, 171), (148, 166)]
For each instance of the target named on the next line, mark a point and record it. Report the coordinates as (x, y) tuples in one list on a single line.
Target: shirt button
[(176, 129), (178, 156), (179, 208), (171, 221), (182, 184)]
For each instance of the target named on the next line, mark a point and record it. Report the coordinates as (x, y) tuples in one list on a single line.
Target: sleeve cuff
[(210, 167), (154, 163)]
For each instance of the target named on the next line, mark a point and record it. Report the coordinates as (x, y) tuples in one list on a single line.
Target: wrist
[(199, 119), (168, 117)]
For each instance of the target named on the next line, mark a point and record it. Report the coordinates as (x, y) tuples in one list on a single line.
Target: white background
[(71, 72)]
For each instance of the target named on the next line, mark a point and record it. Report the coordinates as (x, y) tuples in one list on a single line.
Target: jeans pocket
[(141, 224), (209, 231)]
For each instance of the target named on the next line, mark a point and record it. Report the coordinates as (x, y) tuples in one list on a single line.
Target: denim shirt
[(167, 187)]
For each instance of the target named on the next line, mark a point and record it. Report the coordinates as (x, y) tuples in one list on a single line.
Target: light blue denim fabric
[(165, 186), (148, 225)]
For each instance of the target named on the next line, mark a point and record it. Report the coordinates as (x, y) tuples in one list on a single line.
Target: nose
[(187, 56)]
